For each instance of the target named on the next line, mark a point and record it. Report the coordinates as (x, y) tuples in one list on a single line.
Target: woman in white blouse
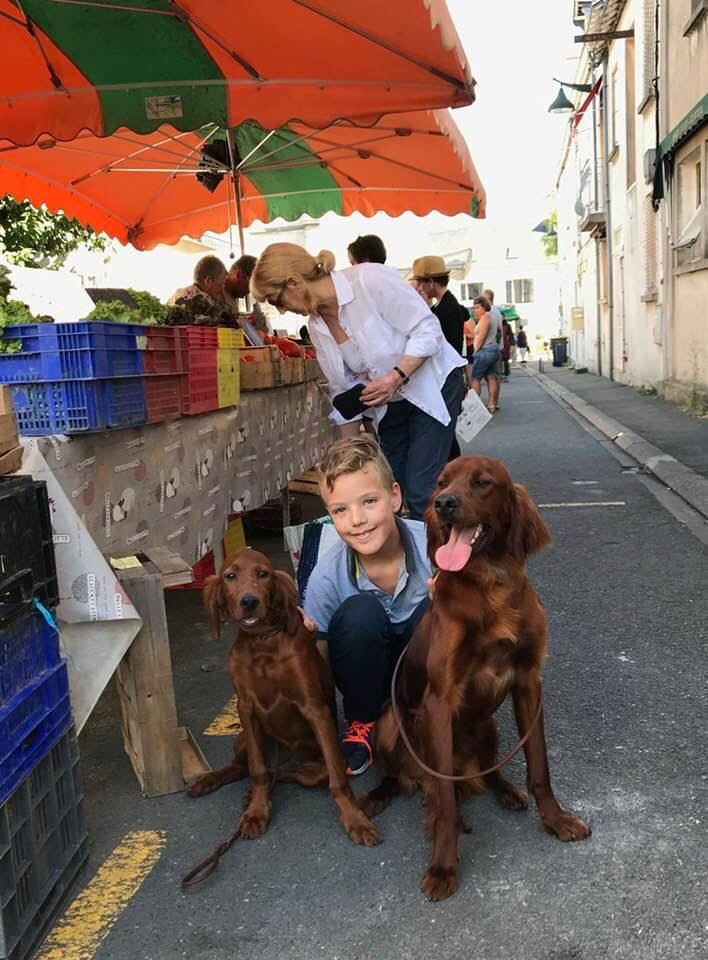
[(366, 323)]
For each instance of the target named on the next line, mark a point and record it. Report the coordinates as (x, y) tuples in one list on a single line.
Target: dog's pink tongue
[(456, 552)]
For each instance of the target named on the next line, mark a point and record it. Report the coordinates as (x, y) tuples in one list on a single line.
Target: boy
[(368, 593)]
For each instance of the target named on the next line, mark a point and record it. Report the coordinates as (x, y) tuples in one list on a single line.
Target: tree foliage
[(550, 239), (35, 237)]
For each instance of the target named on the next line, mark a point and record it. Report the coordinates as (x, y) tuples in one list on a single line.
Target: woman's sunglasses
[(276, 301)]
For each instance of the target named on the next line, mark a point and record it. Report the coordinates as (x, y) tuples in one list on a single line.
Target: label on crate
[(124, 563)]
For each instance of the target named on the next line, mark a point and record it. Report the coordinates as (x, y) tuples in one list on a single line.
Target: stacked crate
[(42, 835), (200, 378), (163, 369), (74, 377)]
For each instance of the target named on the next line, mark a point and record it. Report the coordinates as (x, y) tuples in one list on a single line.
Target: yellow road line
[(90, 917), (227, 723)]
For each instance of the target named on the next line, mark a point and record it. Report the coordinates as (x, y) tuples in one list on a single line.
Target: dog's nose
[(249, 602), (446, 504)]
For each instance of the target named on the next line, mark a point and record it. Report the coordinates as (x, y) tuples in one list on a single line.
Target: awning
[(101, 65), (580, 113), (694, 120)]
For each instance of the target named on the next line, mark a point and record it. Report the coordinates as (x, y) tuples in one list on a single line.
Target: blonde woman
[(366, 322)]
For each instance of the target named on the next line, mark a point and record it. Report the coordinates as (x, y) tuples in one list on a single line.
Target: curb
[(688, 484)]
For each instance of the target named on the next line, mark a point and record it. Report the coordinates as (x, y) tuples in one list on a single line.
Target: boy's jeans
[(363, 649), (418, 446)]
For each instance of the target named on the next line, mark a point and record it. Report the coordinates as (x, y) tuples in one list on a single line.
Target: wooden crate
[(312, 370), (158, 748), (8, 432), (262, 372)]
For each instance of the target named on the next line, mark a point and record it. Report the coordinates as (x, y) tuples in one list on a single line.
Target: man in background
[(434, 277), (237, 287)]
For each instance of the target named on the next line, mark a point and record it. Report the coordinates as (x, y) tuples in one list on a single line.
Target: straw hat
[(424, 268)]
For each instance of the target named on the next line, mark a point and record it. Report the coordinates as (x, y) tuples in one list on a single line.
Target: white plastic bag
[(473, 417)]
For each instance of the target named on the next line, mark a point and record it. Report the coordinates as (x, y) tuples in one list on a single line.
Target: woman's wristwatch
[(401, 374)]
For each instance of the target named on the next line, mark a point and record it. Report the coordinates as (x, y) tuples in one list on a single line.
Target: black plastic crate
[(27, 561), (43, 848)]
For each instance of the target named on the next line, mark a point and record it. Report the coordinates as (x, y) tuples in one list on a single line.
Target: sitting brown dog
[(285, 694), (483, 639)]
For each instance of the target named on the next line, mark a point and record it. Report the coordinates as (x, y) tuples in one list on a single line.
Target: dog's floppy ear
[(215, 603), (528, 531), (283, 603)]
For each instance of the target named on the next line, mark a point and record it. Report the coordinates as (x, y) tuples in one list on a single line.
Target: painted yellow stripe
[(227, 723), (90, 917)]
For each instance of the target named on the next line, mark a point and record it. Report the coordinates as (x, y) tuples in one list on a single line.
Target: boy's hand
[(309, 624), (431, 587)]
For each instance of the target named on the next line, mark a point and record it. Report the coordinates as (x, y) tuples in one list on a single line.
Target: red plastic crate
[(198, 337), (199, 359), (162, 350), (163, 397), (200, 390)]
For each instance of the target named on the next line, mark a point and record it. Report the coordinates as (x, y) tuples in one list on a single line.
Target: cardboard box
[(8, 432), (11, 462), (5, 400)]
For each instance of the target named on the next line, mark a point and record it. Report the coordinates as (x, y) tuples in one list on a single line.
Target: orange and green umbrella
[(168, 184), (70, 66)]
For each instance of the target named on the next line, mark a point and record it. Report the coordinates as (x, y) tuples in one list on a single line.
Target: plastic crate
[(27, 563), (30, 725), (162, 350), (228, 370), (200, 390), (163, 397), (29, 646), (230, 339), (79, 364), (199, 359), (191, 337), (78, 406), (37, 337), (43, 848)]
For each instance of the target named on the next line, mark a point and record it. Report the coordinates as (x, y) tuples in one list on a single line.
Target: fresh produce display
[(146, 309)]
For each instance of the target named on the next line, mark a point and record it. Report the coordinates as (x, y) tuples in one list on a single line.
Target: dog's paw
[(203, 784), (253, 825), (438, 883), (362, 831), (511, 797), (566, 826)]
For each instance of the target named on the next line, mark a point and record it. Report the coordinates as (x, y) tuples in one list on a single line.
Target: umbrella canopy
[(160, 187), (100, 65)]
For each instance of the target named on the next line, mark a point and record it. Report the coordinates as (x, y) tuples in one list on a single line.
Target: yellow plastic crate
[(229, 374), (230, 339)]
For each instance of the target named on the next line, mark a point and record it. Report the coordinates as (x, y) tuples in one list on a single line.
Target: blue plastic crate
[(30, 725), (29, 646), (37, 337), (77, 406), (75, 364)]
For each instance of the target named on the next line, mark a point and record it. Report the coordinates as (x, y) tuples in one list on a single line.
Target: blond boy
[(367, 593)]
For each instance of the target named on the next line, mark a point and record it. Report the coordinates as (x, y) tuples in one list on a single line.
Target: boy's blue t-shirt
[(338, 576)]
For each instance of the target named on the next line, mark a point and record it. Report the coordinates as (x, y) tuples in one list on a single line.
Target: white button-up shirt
[(386, 319)]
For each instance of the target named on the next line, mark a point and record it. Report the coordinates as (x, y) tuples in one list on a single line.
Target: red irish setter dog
[(285, 694), (483, 638)]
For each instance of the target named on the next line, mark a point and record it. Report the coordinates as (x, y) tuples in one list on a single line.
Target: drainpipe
[(662, 106), (608, 213), (596, 198)]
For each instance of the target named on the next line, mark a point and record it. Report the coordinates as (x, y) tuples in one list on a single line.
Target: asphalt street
[(625, 589)]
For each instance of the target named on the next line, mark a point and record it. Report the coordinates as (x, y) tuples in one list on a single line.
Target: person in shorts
[(486, 352)]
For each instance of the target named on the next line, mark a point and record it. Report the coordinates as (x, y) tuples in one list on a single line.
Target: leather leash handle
[(208, 866), (456, 778)]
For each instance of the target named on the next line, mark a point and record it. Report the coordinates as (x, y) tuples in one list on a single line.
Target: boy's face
[(362, 509)]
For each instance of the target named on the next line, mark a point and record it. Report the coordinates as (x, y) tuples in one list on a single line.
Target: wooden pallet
[(307, 482)]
